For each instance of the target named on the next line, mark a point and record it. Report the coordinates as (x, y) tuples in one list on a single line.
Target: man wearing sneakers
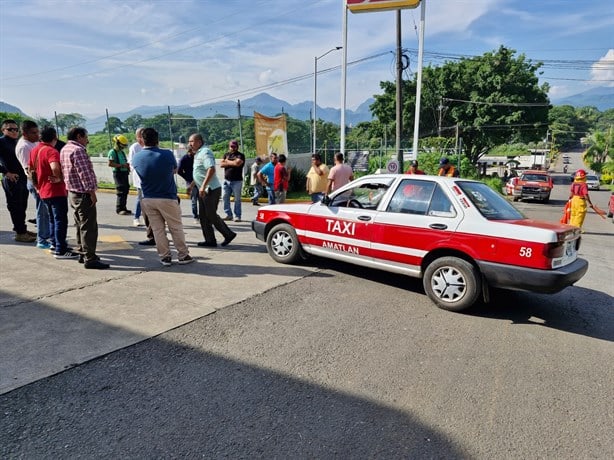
[(14, 182), (156, 168), (45, 162), (81, 184), (209, 193), (233, 162)]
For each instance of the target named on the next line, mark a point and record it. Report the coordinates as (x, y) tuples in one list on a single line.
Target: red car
[(611, 207), (460, 236)]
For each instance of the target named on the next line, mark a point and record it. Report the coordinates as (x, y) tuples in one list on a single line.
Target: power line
[(501, 104)]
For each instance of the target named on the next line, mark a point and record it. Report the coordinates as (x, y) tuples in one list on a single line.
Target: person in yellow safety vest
[(579, 198), (446, 169)]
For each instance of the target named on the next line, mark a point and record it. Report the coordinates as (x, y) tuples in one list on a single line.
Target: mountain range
[(600, 97), (263, 103)]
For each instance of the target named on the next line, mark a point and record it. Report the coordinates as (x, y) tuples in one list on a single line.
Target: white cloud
[(603, 69)]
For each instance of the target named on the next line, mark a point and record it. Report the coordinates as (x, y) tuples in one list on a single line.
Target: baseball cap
[(414, 163), (443, 161)]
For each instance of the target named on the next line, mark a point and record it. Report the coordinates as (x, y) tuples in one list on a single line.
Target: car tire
[(547, 199), (282, 244), (451, 283)]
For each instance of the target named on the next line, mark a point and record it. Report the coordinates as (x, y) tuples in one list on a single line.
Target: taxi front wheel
[(283, 245), (452, 283)]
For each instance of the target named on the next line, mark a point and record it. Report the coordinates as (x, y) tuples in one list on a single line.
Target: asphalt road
[(347, 362)]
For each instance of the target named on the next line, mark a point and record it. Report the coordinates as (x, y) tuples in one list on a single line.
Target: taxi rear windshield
[(490, 204)]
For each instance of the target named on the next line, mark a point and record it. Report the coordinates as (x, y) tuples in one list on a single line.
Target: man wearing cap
[(254, 182), (446, 168), (232, 162), (121, 171), (413, 168)]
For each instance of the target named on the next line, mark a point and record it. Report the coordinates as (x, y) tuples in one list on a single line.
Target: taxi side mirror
[(326, 200)]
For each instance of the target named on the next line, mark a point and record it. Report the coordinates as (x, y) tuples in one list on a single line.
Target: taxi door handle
[(438, 226), (364, 218)]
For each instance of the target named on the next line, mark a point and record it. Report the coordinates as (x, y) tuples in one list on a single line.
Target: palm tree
[(600, 152)]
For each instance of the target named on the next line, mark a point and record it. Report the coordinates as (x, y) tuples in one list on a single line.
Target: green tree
[(114, 125), (494, 98), (133, 122), (69, 120), (600, 150), (12, 116)]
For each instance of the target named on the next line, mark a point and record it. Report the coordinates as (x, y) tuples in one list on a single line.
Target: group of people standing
[(274, 177), (55, 173)]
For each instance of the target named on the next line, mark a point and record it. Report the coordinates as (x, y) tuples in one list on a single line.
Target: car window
[(490, 204), (412, 197), (365, 196), (441, 206)]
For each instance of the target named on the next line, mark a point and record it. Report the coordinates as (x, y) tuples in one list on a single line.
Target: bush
[(298, 179)]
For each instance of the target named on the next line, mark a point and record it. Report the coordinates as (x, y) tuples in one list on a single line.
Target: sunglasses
[(13, 129)]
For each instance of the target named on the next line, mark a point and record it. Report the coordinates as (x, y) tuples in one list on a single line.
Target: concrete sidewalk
[(54, 314)]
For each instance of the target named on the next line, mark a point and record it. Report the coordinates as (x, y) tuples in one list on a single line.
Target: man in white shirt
[(136, 182), (30, 136)]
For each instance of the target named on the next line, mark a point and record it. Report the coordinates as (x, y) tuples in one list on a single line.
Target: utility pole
[(240, 131), (440, 108), (399, 111)]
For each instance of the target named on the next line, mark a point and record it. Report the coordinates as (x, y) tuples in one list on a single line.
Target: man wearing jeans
[(28, 141), (156, 168), (45, 161), (266, 176), (81, 184), (233, 162)]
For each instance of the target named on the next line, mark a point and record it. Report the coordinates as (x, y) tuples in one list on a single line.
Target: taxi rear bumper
[(532, 279)]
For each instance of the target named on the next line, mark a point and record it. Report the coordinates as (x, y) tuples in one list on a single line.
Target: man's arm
[(329, 186), (56, 172), (210, 173)]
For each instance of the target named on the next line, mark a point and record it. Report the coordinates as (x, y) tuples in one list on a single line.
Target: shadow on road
[(577, 310), (164, 399)]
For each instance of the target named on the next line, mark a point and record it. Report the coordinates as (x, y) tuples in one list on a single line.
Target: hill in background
[(601, 97)]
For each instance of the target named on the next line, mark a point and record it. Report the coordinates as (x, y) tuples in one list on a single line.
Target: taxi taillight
[(554, 250)]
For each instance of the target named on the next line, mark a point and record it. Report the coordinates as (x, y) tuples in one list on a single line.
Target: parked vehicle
[(510, 184), (592, 182), (535, 185), (460, 236)]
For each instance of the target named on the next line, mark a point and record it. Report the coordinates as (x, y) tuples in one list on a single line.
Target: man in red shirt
[(413, 168), (281, 179), (45, 160)]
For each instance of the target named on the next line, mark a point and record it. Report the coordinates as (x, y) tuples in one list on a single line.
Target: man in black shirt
[(185, 168), (232, 162), (14, 182)]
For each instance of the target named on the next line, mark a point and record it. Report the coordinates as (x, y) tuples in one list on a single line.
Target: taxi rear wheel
[(452, 283), (283, 245)]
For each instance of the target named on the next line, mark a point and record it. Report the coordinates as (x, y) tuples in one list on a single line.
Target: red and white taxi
[(460, 236)]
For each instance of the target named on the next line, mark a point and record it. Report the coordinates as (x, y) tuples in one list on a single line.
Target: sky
[(90, 56)]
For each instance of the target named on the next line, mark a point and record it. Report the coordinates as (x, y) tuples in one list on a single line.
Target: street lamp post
[(315, 91)]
